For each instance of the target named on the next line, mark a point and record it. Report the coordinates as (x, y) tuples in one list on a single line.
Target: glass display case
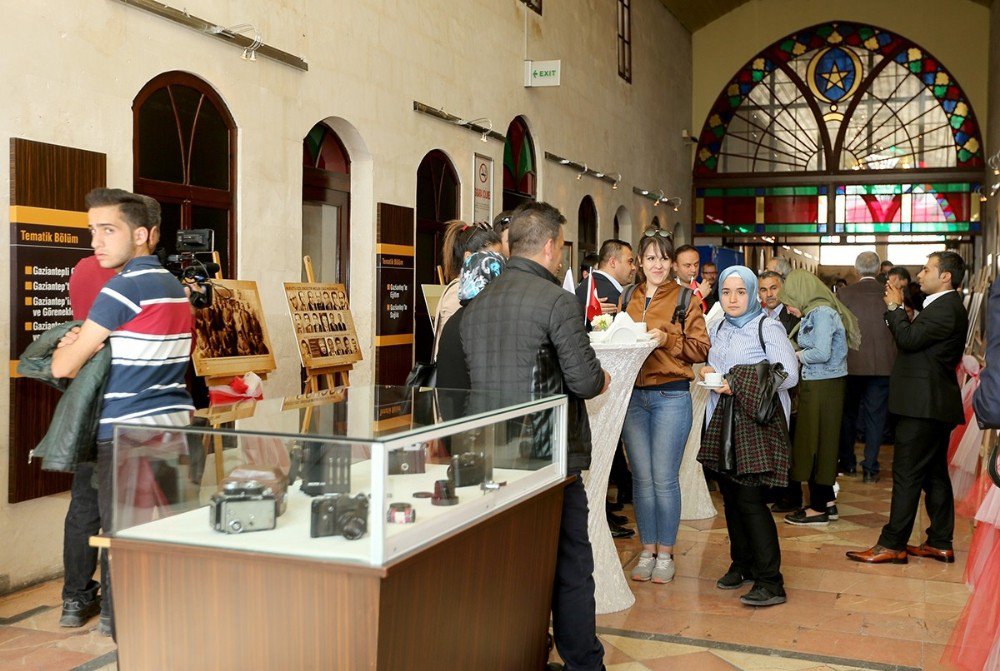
[(362, 475)]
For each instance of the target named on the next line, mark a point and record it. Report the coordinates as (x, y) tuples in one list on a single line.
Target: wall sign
[(542, 73), (482, 189)]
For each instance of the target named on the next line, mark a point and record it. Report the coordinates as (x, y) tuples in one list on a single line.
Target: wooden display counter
[(476, 599)]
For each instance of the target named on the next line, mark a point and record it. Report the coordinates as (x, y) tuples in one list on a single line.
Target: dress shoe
[(617, 519), (763, 596), (870, 478), (801, 518), (785, 507), (878, 555), (925, 550), (618, 531)]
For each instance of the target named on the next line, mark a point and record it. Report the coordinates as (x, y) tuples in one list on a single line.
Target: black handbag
[(770, 376), (422, 375), (727, 436)]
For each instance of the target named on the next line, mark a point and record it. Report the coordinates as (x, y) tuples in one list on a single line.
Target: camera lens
[(235, 526), (353, 527)]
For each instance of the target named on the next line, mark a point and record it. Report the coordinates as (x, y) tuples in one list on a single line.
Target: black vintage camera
[(325, 468), (241, 507), (188, 268), (407, 461), (339, 515), (467, 469)]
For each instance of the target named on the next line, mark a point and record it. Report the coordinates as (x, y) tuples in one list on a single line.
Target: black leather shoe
[(802, 519), (762, 596), (617, 519), (732, 580), (618, 531), (870, 478), (76, 612)]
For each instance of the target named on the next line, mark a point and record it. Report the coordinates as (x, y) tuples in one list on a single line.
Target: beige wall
[(991, 210), (956, 32), (70, 71)]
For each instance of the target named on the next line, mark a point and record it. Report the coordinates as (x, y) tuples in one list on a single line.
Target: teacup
[(713, 379)]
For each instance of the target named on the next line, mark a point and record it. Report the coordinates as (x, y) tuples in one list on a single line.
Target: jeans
[(867, 396), (655, 432), (574, 624), (83, 520)]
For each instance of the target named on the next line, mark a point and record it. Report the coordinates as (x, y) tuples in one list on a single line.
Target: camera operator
[(143, 312)]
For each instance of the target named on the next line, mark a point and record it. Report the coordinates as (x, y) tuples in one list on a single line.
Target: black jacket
[(923, 381), (606, 291), (787, 319), (525, 333)]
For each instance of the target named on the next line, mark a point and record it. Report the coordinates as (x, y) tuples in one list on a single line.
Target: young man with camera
[(143, 312)]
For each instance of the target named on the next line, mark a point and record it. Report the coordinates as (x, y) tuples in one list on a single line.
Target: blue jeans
[(655, 431)]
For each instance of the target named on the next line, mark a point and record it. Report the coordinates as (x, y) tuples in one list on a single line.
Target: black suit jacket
[(606, 291), (788, 320), (923, 382)]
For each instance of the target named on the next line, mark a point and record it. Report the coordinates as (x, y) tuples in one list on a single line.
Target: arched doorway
[(437, 203), (520, 180), (843, 134), (586, 229), (623, 224), (184, 156), (326, 194)]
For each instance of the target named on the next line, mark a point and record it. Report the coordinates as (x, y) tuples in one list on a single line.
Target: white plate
[(701, 383)]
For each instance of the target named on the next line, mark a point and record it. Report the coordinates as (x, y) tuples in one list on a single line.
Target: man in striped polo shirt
[(143, 312)]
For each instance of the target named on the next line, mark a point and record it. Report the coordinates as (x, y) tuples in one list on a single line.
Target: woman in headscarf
[(478, 270), (827, 329), (747, 336)]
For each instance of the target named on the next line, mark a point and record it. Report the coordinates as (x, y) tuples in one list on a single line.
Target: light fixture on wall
[(249, 51), (481, 125), (659, 197), (476, 124), (584, 170)]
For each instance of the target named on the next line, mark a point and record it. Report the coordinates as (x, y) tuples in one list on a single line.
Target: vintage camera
[(325, 468), (188, 268), (339, 515), (407, 460), (467, 469), (242, 507), (271, 477)]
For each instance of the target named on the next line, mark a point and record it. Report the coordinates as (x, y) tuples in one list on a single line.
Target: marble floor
[(840, 614)]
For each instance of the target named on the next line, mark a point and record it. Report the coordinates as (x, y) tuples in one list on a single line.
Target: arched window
[(326, 193), (519, 177), (839, 129), (586, 232), (184, 156)]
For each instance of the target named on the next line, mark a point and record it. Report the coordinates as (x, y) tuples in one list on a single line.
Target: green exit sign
[(542, 73)]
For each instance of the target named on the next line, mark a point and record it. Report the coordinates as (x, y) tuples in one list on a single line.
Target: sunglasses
[(651, 232)]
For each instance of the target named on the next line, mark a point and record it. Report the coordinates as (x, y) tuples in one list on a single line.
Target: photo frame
[(231, 334), (322, 324)]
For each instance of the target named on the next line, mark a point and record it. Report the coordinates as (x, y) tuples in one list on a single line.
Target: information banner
[(482, 195), (395, 296), (42, 257)]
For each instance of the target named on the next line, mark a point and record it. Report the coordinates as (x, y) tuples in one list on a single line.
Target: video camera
[(188, 268)]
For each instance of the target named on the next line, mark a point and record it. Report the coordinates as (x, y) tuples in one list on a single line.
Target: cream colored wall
[(991, 209), (70, 71), (955, 31)]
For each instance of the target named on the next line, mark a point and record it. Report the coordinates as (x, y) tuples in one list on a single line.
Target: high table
[(607, 413)]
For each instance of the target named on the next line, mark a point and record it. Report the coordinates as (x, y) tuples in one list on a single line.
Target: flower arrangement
[(601, 322)]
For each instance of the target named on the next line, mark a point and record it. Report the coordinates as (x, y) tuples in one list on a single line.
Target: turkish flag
[(593, 303)]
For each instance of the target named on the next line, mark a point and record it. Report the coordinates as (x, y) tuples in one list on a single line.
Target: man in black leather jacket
[(525, 333)]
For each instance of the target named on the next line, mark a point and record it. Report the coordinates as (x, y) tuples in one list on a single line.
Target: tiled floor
[(840, 614)]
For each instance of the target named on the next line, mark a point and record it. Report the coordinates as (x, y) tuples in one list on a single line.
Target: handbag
[(727, 436), (422, 375)]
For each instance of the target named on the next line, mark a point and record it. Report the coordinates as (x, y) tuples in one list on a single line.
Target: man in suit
[(868, 369), (615, 270), (923, 391), (769, 284)]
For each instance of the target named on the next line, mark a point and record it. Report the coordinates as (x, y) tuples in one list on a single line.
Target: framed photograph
[(230, 335), (322, 324)]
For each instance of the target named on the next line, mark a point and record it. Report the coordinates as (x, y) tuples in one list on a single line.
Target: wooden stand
[(331, 376)]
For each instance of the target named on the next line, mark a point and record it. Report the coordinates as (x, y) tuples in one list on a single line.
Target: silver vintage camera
[(241, 507)]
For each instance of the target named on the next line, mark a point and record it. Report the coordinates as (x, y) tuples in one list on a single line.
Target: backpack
[(680, 311)]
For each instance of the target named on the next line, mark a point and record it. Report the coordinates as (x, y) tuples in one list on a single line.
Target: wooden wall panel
[(55, 178)]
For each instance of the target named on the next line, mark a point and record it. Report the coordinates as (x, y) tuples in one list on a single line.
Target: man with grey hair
[(780, 265), (868, 370)]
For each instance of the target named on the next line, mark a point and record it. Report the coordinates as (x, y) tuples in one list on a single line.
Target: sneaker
[(663, 572), (832, 513), (800, 518), (104, 625), (643, 571), (76, 611), (732, 580), (762, 596)]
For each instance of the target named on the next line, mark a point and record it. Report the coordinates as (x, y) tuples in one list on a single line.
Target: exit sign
[(542, 73)]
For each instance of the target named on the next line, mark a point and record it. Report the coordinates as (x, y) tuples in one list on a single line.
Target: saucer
[(701, 383)]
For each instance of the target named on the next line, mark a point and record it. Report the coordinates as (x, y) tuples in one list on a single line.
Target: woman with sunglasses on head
[(461, 240), (659, 412), (747, 336)]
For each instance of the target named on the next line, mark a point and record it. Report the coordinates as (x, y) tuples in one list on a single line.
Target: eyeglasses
[(650, 232)]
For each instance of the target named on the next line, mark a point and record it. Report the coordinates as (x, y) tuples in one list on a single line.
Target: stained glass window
[(519, 180), (856, 107)]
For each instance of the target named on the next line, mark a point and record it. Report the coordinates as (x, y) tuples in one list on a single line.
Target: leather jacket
[(672, 361), (72, 434)]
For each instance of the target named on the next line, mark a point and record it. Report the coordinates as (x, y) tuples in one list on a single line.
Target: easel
[(333, 376), (216, 421)]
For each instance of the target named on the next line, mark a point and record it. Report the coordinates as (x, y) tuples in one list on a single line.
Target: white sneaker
[(663, 572), (643, 571)]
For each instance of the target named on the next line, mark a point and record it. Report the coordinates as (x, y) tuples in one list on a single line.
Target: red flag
[(593, 303)]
